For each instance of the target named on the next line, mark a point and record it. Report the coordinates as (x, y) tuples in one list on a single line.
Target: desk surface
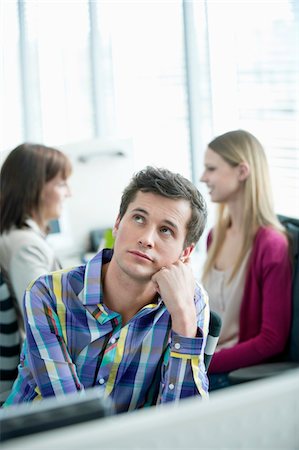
[(256, 415)]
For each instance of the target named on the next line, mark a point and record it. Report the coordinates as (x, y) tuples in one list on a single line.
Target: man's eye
[(166, 231), (138, 219)]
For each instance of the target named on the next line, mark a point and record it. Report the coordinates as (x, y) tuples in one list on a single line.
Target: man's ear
[(244, 171), (187, 252), (116, 225)]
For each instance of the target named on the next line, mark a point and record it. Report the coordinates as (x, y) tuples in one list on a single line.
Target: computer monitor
[(55, 226), (54, 412)]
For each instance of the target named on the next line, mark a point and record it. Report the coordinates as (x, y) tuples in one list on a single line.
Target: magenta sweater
[(265, 314)]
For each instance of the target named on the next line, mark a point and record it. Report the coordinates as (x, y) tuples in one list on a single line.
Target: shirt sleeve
[(49, 360), (183, 372)]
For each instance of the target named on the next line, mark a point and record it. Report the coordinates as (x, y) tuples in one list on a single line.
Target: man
[(133, 319)]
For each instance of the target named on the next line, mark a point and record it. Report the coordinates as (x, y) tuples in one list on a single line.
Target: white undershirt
[(225, 299)]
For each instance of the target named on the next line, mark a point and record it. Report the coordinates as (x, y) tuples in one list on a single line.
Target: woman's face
[(53, 195), (222, 179)]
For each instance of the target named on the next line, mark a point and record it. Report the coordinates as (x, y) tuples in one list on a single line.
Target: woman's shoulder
[(17, 238), (270, 235), (271, 241), (17, 233)]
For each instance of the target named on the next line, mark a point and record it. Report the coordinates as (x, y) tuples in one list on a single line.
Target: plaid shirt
[(73, 342)]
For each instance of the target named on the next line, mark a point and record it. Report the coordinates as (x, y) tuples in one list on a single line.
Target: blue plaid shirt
[(73, 342)]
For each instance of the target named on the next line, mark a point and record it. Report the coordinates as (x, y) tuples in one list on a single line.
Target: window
[(170, 75), (147, 56), (98, 69), (11, 120), (254, 63)]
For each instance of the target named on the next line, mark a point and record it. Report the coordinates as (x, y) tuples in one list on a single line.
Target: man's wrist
[(185, 326), (186, 346)]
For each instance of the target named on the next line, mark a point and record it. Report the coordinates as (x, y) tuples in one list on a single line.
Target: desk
[(257, 415)]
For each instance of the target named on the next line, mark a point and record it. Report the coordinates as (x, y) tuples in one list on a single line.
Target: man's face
[(151, 235)]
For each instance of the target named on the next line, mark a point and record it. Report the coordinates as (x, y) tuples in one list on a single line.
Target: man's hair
[(171, 185)]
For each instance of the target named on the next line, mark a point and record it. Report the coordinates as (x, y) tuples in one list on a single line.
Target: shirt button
[(101, 381), (177, 346), (112, 341), (171, 386)]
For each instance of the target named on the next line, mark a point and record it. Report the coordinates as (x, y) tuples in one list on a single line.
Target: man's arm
[(48, 355), (183, 372)]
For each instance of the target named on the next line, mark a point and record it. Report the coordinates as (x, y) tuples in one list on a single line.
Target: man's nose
[(147, 238)]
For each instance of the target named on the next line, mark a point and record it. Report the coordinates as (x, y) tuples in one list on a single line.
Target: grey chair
[(290, 358)]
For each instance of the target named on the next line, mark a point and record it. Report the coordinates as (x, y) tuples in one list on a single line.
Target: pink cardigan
[(265, 315)]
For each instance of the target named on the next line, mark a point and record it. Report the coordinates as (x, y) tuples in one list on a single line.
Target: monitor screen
[(60, 237), (55, 412), (54, 226)]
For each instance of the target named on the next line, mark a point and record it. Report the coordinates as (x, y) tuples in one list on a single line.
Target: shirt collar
[(35, 227), (92, 291)]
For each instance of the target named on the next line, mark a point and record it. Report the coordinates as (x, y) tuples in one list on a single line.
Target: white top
[(225, 299), (24, 256)]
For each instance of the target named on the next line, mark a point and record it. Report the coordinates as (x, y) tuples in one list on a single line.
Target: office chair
[(290, 358), (10, 340), (213, 336)]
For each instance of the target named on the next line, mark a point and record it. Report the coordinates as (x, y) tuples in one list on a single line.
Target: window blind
[(255, 58)]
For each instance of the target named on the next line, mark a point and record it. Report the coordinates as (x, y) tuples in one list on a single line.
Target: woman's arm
[(269, 289)]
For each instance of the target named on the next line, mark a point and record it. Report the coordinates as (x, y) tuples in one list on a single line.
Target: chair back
[(213, 336), (292, 227), (10, 340)]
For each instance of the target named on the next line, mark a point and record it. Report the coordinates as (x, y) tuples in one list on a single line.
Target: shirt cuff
[(186, 345)]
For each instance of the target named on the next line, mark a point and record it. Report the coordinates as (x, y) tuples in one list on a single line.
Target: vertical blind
[(149, 80), (255, 84), (79, 70), (76, 70)]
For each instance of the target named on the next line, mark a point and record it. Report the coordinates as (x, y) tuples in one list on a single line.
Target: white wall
[(96, 185)]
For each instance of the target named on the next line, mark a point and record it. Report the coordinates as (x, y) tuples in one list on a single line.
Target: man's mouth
[(140, 254)]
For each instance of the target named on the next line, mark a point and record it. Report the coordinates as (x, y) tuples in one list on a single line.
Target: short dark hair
[(23, 175), (172, 185)]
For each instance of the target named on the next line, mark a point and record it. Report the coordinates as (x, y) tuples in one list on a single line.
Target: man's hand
[(176, 285)]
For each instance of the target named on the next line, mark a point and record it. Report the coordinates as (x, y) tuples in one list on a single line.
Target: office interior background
[(121, 84), (165, 76)]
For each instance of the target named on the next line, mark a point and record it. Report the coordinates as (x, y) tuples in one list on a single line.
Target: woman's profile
[(34, 184)]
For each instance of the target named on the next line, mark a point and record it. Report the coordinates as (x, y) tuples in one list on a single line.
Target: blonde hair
[(236, 147)]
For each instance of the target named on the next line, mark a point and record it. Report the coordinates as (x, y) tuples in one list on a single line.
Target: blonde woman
[(247, 272)]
